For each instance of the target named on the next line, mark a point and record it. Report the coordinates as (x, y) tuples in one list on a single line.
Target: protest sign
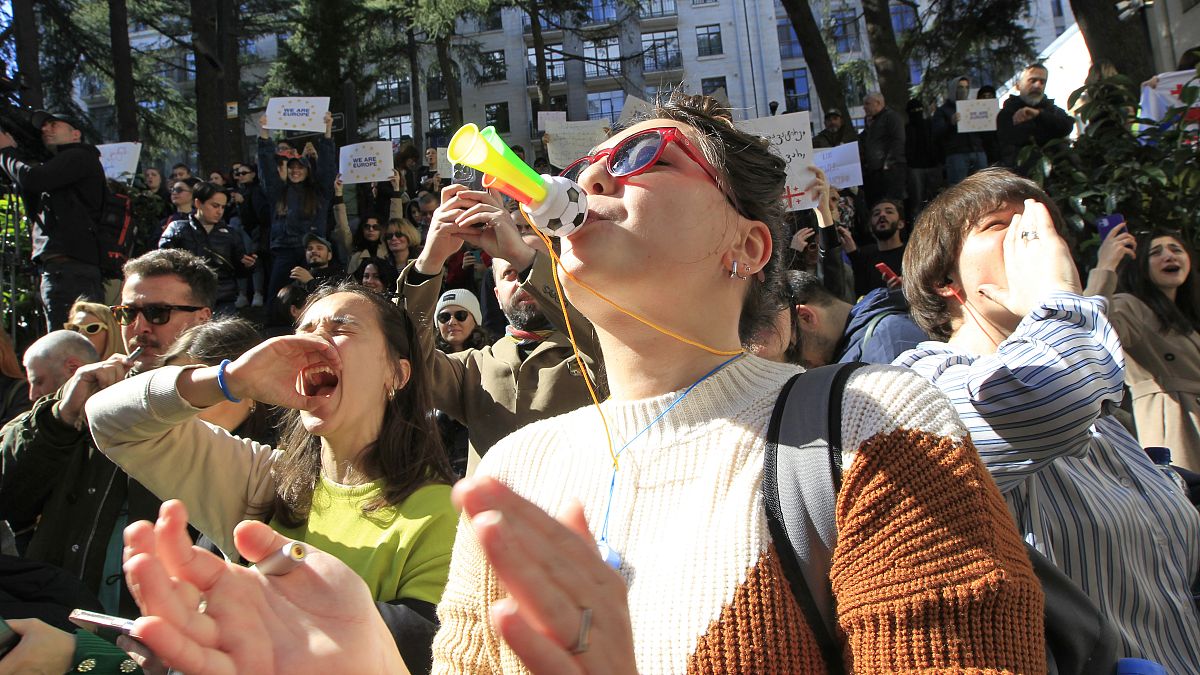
[(1167, 94), (841, 165), (632, 107), (120, 160), (297, 113), (977, 115), (366, 162), (443, 163), (568, 141), (545, 117), (791, 137)]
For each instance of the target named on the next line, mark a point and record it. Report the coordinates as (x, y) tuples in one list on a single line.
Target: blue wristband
[(221, 382)]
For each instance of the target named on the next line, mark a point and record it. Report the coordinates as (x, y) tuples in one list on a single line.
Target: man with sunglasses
[(50, 472), (529, 374), (205, 234), (65, 196)]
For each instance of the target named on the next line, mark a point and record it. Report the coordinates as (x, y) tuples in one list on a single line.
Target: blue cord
[(221, 382), (613, 481)]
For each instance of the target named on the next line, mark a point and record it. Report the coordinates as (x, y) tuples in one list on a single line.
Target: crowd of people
[(503, 453)]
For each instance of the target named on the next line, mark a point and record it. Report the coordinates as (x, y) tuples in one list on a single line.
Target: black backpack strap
[(802, 474)]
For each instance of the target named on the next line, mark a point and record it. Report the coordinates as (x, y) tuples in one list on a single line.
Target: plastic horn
[(493, 183), (492, 156)]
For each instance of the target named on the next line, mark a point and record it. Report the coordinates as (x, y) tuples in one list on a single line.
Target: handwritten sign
[(297, 113), (977, 115), (634, 108), (120, 160), (545, 117), (366, 162), (791, 138), (842, 166), (568, 141)]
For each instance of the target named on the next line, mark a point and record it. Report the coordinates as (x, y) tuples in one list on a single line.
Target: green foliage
[(19, 303), (1146, 170)]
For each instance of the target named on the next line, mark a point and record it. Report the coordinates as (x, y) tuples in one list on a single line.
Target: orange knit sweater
[(929, 573)]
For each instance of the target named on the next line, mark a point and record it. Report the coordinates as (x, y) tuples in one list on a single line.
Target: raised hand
[(801, 238), (490, 226), (1116, 247), (88, 380), (318, 618), (552, 572), (337, 186), (847, 240), (1036, 262)]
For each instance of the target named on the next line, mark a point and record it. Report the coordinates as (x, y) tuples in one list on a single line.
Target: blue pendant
[(610, 557)]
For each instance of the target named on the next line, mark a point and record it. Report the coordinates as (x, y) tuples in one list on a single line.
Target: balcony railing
[(555, 73), (547, 23), (653, 61), (652, 9)]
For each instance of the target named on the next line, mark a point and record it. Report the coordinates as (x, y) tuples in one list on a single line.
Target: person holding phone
[(38, 647), (1157, 316)]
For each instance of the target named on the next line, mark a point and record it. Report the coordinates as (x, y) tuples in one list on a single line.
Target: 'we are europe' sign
[(297, 113), (365, 162)]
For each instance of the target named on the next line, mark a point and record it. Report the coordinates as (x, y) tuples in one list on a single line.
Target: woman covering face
[(684, 214)]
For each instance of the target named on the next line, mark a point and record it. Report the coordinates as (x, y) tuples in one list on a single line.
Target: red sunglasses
[(639, 152)]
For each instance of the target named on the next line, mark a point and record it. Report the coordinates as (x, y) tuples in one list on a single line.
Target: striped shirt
[(1082, 490)]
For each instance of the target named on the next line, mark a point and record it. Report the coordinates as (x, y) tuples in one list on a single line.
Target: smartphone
[(467, 176), (8, 638), (887, 272), (95, 621), (1106, 224)]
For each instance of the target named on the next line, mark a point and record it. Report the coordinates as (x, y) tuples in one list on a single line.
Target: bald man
[(54, 358)]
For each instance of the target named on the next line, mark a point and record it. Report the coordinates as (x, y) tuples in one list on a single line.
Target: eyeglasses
[(242, 173), (155, 314), (89, 328), (459, 316), (373, 226), (642, 150), (392, 235), (177, 190)]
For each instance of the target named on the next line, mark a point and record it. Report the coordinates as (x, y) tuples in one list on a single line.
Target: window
[(496, 115), (189, 67), (655, 8), (601, 11), (491, 20), (248, 47), (556, 65), (904, 19), (396, 127), (605, 105), (1056, 9), (601, 58), (494, 68), (710, 85), (795, 89), (435, 88), (660, 50), (915, 72), (439, 121), (708, 40), (789, 44), (845, 31), (704, 2), (394, 91)]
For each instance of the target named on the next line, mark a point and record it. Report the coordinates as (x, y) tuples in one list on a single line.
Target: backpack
[(802, 473), (114, 233)]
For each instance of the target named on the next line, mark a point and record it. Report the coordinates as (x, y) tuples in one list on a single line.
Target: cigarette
[(282, 561), (135, 353)]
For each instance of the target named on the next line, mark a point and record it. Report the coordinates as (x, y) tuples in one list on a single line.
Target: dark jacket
[(1053, 122), (288, 230), (828, 138), (222, 248), (881, 143), (67, 193), (945, 130), (51, 470), (329, 274), (921, 149), (879, 329), (254, 213)]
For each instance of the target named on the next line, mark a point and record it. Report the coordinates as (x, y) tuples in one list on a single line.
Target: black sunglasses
[(155, 314), (242, 173), (177, 190), (392, 235), (459, 316)]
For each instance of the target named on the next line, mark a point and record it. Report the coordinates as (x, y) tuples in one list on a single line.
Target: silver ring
[(585, 627), (1028, 235)]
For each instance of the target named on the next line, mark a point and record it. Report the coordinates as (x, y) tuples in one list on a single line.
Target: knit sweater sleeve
[(929, 572), (465, 642)]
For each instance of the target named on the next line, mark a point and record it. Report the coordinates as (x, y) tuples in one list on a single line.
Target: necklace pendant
[(610, 556)]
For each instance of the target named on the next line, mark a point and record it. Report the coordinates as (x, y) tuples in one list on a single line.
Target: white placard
[(633, 106), (978, 115), (791, 137), (545, 117), (443, 161), (120, 160), (571, 140), (365, 162), (842, 165), (297, 113)]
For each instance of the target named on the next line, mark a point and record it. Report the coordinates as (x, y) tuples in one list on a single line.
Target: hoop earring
[(734, 274)]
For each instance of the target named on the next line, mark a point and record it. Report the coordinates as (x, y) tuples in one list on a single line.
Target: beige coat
[(1162, 370)]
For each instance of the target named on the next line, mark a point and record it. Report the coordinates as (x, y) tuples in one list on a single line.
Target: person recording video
[(65, 196)]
